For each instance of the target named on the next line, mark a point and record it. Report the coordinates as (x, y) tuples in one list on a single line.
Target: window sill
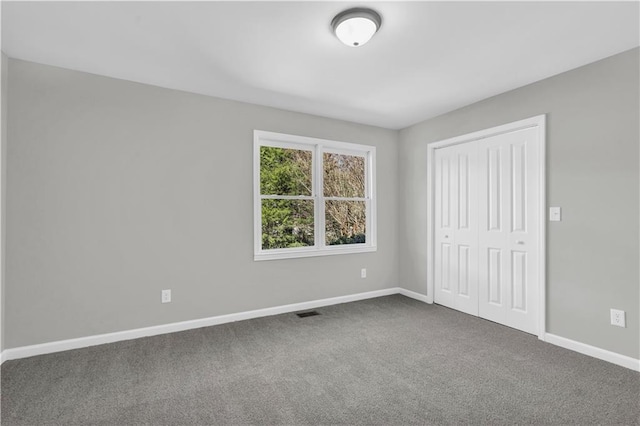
[(292, 254)]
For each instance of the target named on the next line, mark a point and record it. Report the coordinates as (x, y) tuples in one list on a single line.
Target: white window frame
[(318, 147)]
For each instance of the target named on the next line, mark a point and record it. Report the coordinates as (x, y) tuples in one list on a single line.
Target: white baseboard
[(83, 342), (603, 354), (414, 295)]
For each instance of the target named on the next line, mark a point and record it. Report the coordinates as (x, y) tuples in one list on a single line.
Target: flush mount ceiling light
[(355, 27)]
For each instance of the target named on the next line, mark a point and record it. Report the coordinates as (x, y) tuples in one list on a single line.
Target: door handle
[(520, 242)]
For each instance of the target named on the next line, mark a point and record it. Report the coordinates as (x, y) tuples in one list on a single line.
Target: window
[(312, 197)]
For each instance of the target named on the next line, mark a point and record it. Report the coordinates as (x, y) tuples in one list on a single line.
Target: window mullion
[(319, 195)]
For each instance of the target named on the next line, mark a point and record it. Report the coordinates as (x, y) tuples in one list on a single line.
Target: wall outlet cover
[(618, 318)]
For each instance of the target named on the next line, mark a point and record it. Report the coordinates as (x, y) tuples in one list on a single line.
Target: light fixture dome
[(355, 27)]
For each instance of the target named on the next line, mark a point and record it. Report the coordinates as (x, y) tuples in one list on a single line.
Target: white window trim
[(318, 146)]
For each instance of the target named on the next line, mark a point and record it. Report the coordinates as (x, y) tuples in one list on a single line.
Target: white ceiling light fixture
[(355, 27)]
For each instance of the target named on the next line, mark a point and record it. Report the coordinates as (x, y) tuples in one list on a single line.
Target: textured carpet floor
[(390, 360)]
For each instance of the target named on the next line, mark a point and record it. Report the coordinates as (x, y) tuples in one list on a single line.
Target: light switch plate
[(555, 214)]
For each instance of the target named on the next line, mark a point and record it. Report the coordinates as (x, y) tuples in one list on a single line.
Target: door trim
[(539, 122)]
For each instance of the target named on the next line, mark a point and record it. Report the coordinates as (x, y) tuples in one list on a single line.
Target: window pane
[(345, 222), (285, 171), (343, 175), (287, 223)]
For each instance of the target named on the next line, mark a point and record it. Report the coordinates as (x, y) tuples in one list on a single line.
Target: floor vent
[(308, 314)]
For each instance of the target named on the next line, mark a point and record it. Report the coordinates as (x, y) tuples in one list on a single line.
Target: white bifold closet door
[(486, 207), (456, 230)]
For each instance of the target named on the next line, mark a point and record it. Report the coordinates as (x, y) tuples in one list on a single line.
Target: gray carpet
[(390, 360)]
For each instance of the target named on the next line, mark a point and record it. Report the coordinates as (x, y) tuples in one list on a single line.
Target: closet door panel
[(491, 236), (445, 257), (466, 229), (522, 233), (508, 229)]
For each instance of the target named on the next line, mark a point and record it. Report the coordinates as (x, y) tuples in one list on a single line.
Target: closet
[(486, 208)]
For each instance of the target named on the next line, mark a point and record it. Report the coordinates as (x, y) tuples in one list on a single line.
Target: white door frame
[(538, 121)]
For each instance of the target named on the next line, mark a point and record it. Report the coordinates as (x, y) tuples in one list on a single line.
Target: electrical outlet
[(618, 318), (363, 273), (166, 296)]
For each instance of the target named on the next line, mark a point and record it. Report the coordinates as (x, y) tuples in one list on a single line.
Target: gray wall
[(3, 184), (592, 173), (117, 190)]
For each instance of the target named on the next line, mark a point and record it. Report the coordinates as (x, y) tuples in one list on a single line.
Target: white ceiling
[(428, 58)]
